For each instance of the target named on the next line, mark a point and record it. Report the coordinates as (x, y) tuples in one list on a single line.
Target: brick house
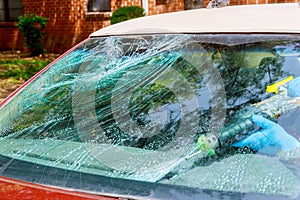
[(71, 21)]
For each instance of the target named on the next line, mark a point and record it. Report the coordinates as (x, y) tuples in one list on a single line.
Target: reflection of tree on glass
[(245, 81), (133, 97)]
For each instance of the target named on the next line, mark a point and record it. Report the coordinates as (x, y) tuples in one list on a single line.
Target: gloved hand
[(271, 135), (294, 88)]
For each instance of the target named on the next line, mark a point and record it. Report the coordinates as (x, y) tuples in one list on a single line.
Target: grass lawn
[(16, 68)]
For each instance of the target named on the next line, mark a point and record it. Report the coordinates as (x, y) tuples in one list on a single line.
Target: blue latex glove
[(271, 135), (294, 88)]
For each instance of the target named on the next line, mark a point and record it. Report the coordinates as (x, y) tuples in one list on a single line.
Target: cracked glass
[(136, 107)]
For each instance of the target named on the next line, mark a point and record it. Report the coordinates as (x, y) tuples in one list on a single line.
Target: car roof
[(262, 18)]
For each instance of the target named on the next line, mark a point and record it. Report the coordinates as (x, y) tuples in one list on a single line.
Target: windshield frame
[(136, 189), (113, 187)]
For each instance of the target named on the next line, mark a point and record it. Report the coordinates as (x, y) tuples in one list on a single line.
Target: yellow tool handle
[(274, 87)]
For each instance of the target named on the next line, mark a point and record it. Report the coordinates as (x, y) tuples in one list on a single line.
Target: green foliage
[(32, 27), (21, 69), (126, 13)]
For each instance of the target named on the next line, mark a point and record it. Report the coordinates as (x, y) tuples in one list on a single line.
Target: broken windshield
[(162, 108)]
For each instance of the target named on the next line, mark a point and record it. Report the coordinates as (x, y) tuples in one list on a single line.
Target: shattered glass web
[(45, 123), (94, 67)]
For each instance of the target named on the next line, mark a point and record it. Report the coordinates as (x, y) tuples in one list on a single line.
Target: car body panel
[(232, 19), (16, 189)]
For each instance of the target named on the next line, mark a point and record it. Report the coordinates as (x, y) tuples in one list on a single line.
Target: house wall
[(69, 22), (10, 38), (166, 6)]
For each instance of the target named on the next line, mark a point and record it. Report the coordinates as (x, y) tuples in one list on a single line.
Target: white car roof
[(262, 18)]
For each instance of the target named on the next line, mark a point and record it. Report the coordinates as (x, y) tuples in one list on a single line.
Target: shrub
[(126, 13), (32, 27)]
